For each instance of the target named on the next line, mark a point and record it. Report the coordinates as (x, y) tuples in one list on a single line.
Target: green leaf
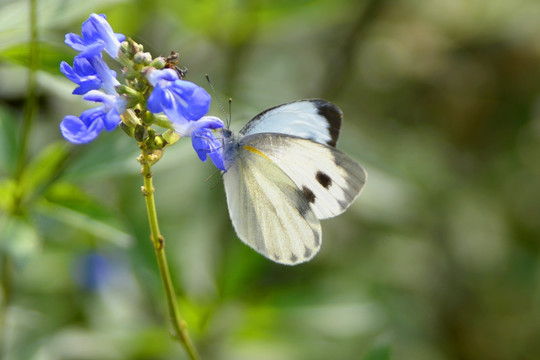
[(379, 351), (49, 55), (8, 142), (43, 168), (14, 17), (108, 156), (68, 204), (18, 238), (8, 189)]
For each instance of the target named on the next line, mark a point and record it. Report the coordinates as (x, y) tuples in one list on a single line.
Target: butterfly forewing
[(314, 119), (268, 211)]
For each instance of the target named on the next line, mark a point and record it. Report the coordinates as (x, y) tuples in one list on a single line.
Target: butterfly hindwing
[(314, 119), (268, 211), (328, 179)]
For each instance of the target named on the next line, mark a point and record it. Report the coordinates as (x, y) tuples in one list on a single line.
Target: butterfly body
[(283, 175)]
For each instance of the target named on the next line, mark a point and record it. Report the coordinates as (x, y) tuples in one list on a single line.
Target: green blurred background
[(437, 259)]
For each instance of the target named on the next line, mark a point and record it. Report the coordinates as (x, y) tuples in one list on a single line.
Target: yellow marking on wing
[(256, 151)]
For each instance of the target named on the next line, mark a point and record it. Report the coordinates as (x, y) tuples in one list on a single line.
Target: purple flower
[(113, 106), (182, 101), (90, 74), (97, 35), (82, 74), (92, 271), (83, 129), (206, 144)]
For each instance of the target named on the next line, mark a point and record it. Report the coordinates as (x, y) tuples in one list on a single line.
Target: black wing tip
[(333, 114)]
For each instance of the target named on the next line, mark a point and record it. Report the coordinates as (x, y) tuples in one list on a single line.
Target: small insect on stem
[(172, 63)]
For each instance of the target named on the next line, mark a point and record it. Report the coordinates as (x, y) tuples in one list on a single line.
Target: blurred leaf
[(48, 55), (8, 142), (68, 204), (108, 156), (379, 352), (8, 188), (235, 20), (18, 238), (43, 168), (14, 17)]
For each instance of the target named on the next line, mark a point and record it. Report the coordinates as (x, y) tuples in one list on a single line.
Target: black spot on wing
[(323, 179), (317, 237), (294, 258), (333, 115), (308, 194), (307, 252)]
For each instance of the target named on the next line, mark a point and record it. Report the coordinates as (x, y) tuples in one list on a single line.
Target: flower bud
[(124, 53), (133, 97), (148, 118), (130, 119), (170, 137), (159, 142), (127, 129), (144, 58), (140, 134), (159, 63)]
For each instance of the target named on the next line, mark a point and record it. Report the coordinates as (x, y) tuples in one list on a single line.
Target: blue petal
[(155, 100), (85, 47), (81, 130), (107, 76), (217, 159), (97, 35), (206, 144), (182, 101), (82, 74), (92, 272), (74, 41), (104, 32), (113, 106), (200, 147), (158, 75), (189, 128), (194, 101), (111, 119)]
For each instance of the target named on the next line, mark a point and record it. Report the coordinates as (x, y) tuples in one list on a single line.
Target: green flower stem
[(159, 246)]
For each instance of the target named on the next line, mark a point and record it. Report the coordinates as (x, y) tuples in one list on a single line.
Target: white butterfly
[(284, 175)]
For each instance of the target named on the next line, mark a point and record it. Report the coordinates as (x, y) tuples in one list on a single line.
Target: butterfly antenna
[(230, 112), (227, 119)]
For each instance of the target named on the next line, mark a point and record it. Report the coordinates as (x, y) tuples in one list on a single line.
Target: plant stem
[(31, 96), (5, 297), (159, 246)]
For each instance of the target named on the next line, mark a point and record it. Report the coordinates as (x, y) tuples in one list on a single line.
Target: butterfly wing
[(314, 119), (329, 180), (268, 211)]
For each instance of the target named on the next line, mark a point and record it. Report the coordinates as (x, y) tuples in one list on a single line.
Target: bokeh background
[(437, 259)]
